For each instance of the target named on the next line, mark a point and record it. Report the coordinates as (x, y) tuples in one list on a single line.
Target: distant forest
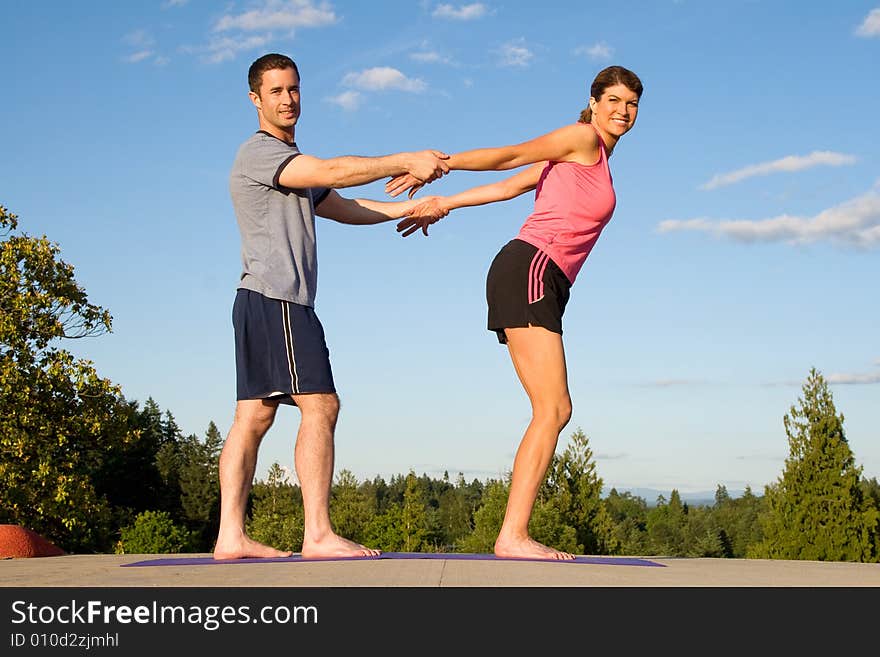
[(95, 472)]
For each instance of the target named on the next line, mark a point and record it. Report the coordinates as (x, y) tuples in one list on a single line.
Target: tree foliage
[(817, 509), (60, 421), (93, 472), (154, 532)]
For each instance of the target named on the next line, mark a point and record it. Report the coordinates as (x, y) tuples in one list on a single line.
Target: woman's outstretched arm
[(575, 142), (437, 207)]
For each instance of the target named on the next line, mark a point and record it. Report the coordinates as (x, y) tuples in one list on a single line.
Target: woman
[(528, 283)]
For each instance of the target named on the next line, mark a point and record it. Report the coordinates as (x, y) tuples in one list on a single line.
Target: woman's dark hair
[(267, 63), (608, 77)]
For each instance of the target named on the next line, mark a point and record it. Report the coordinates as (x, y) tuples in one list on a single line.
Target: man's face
[(278, 102)]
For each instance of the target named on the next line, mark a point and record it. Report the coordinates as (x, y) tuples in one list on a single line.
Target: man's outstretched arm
[(363, 211), (352, 170)]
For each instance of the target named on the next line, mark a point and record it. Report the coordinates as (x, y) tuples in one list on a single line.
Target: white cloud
[(139, 56), (278, 15), (462, 12), (347, 100), (789, 163), (855, 222), (138, 38), (142, 42), (225, 48), (515, 53), (429, 57), (600, 50), (173, 3), (381, 78), (870, 27), (853, 379)]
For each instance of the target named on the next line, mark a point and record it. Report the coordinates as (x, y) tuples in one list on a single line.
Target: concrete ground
[(108, 571)]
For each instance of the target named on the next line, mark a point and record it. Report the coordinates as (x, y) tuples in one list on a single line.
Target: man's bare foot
[(243, 547), (528, 548), (333, 545)]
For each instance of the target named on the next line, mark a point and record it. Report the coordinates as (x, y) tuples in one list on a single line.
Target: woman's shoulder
[(582, 140)]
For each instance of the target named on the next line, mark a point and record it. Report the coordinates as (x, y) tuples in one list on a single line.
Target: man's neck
[(279, 133)]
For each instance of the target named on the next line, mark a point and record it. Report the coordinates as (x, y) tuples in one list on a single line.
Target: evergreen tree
[(629, 515), (414, 517), (548, 525), (737, 520), (487, 519), (276, 516), (143, 487), (350, 508), (200, 485), (572, 481), (455, 515), (385, 530), (817, 509), (666, 526)]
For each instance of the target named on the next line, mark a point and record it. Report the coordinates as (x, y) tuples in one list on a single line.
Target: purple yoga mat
[(206, 561)]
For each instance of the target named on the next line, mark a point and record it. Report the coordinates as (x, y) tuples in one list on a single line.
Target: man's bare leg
[(539, 360), (238, 462), (314, 458)]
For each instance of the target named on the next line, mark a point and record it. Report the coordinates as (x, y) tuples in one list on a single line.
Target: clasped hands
[(431, 209)]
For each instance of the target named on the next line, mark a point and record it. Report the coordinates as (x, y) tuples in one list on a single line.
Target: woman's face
[(614, 113)]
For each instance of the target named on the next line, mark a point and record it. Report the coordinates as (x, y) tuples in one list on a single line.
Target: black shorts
[(525, 287), (279, 349)]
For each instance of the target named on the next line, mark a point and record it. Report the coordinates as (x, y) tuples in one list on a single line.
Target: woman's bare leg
[(539, 359)]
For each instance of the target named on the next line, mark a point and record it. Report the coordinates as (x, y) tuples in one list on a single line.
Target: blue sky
[(743, 251)]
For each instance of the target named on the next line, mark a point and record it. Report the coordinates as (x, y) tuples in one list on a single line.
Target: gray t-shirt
[(279, 257)]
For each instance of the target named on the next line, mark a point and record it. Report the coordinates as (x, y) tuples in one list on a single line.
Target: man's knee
[(255, 416), (322, 407)]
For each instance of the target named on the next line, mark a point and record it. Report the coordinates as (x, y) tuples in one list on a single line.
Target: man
[(280, 352)]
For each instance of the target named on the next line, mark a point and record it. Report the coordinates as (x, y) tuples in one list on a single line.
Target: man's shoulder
[(261, 145)]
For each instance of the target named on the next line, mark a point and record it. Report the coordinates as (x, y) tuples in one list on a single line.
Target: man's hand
[(427, 166), (422, 168), (429, 211)]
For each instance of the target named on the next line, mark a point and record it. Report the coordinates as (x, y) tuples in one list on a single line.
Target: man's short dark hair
[(268, 63)]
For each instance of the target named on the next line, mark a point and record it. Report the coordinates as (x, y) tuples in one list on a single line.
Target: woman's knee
[(556, 414)]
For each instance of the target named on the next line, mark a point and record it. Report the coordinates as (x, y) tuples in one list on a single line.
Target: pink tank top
[(573, 203)]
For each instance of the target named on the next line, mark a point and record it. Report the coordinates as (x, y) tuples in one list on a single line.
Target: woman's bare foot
[(528, 548), (243, 547), (333, 545)]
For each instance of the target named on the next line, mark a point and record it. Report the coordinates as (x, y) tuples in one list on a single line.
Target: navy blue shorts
[(279, 349), (524, 287)]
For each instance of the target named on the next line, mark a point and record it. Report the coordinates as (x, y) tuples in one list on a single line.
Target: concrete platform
[(109, 571)]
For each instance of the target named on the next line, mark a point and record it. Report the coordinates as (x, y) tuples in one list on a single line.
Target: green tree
[(143, 486), (276, 516), (414, 518), (629, 517), (350, 507), (817, 509), (60, 422), (154, 532), (385, 530), (572, 481), (737, 520), (487, 519), (455, 514), (200, 484), (666, 526)]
